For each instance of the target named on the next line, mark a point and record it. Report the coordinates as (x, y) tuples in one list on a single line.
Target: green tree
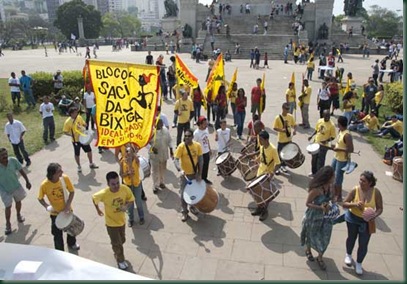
[(383, 23), (133, 10), (67, 19), (120, 24)]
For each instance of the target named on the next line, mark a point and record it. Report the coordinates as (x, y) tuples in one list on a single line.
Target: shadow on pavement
[(85, 181)]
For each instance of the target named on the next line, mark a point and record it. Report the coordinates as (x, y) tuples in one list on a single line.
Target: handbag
[(333, 212)]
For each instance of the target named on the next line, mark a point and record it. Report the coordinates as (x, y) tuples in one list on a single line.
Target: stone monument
[(170, 21), (352, 19)]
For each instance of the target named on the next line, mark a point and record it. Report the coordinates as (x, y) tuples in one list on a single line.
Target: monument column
[(187, 14), (323, 14), (80, 27)]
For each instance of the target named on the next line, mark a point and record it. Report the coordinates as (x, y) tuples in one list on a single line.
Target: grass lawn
[(31, 119)]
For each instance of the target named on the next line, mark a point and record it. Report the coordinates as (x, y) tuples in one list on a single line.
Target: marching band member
[(201, 135), (189, 153)]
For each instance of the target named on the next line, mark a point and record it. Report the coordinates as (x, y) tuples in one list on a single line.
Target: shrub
[(393, 96)]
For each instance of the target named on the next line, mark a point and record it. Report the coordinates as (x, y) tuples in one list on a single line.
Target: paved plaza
[(228, 243)]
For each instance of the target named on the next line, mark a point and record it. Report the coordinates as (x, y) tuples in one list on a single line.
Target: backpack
[(393, 151)]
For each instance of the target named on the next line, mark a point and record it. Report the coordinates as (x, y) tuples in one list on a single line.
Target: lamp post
[(80, 27)]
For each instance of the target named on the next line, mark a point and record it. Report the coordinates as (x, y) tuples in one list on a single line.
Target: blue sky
[(392, 5)]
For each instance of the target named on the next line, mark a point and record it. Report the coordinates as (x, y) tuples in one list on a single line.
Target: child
[(222, 136), (266, 60)]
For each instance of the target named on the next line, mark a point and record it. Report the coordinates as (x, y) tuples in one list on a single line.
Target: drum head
[(194, 192), (143, 162), (289, 151), (312, 147), (222, 158), (63, 220), (87, 138), (257, 181)]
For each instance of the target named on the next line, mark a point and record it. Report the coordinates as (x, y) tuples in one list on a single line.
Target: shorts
[(7, 197), (335, 101), (15, 95), (256, 107), (77, 148)]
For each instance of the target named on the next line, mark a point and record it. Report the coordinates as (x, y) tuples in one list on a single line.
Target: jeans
[(353, 234), (309, 73), (305, 115), (220, 114), (117, 239), (361, 127), (209, 110), (58, 236), (292, 107), (20, 147), (181, 128), (348, 115), (197, 112), (392, 132), (337, 166), (137, 192), (240, 117), (318, 160), (29, 98), (233, 106), (89, 117), (175, 120), (49, 124)]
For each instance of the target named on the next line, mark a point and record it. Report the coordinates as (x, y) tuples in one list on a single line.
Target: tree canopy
[(67, 19), (383, 23), (120, 24)]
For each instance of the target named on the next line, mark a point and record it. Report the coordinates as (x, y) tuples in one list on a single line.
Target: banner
[(216, 77), (232, 81), (263, 94), (184, 75), (126, 101)]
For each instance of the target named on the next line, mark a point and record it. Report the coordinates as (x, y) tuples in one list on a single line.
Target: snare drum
[(249, 148), (248, 167), (263, 189), (69, 223), (226, 164), (292, 156), (144, 168), (398, 168), (313, 148), (201, 195), (87, 138)]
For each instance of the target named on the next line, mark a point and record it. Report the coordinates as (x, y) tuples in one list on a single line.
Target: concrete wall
[(187, 14)]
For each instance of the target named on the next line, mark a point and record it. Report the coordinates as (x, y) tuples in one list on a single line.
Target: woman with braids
[(316, 229)]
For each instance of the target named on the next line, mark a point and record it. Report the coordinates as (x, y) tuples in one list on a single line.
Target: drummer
[(222, 136), (129, 171), (55, 191), (325, 132), (284, 124), (72, 127), (189, 153), (269, 162), (254, 128)]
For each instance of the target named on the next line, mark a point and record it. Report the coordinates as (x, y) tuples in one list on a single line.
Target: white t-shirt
[(89, 99), (14, 89), (47, 110), (202, 137), (14, 130), (223, 138), (164, 119)]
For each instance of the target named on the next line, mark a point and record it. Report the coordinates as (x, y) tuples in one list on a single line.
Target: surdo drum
[(248, 167), (313, 148), (292, 156), (226, 164), (249, 148), (263, 189), (69, 223), (144, 168), (87, 138), (201, 195), (398, 168)]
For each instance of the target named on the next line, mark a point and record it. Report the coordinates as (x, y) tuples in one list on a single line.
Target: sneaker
[(264, 214), (130, 223), (283, 169), (174, 125), (155, 190), (144, 198), (194, 210), (7, 231), (79, 169), (52, 139), (123, 265), (162, 185), (278, 173), (207, 181), (348, 260), (257, 211), (75, 247), (20, 218), (184, 217), (311, 175), (28, 163), (100, 151), (93, 166), (358, 268), (240, 138), (141, 222)]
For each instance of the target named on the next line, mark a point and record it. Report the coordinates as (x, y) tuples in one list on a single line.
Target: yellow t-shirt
[(55, 193), (272, 159), (350, 104), (325, 130), (311, 64), (371, 122), (127, 180), (371, 203), (233, 96), (340, 144), (378, 97), (71, 128), (182, 154), (307, 98), (282, 136), (184, 108), (113, 201), (290, 94), (398, 126)]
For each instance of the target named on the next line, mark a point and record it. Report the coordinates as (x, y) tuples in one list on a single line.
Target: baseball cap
[(77, 99), (201, 119)]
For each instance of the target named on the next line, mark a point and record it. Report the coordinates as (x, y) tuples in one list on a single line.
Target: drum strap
[(264, 158), (286, 129), (192, 160), (73, 125), (64, 190)]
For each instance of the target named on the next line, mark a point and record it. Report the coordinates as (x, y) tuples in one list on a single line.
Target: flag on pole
[(216, 77), (293, 81), (184, 75), (263, 94), (232, 81)]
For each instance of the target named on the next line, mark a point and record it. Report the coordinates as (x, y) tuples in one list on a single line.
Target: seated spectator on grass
[(393, 126), (64, 104), (366, 124)]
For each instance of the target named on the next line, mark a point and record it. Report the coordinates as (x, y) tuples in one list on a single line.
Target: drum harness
[(285, 126)]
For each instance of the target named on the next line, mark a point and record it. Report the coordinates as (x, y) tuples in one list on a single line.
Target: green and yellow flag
[(216, 77), (184, 75), (232, 81)]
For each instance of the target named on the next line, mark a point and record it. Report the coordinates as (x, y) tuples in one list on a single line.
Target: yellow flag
[(184, 75), (127, 96), (234, 78), (216, 77), (263, 94), (293, 81)]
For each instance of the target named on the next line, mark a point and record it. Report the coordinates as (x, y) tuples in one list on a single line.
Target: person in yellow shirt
[(116, 198), (393, 126), (325, 132), (74, 125), (54, 189), (342, 149), (184, 109), (269, 162), (290, 97), (348, 103), (310, 68), (305, 99), (189, 161), (233, 96), (284, 124), (378, 98), (129, 171), (366, 124)]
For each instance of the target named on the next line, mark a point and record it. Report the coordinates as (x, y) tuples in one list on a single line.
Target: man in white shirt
[(47, 112), (15, 131), (222, 136), (88, 103), (14, 84), (201, 135)]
